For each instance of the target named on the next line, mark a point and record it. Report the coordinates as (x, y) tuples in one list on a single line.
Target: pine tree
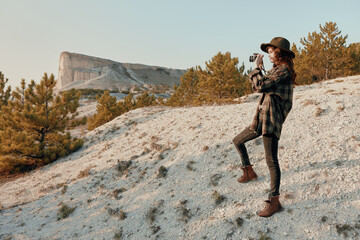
[(106, 110), (311, 56), (220, 79), (128, 104), (324, 55), (145, 100), (353, 60), (243, 85), (33, 125), (4, 93), (187, 91), (334, 50)]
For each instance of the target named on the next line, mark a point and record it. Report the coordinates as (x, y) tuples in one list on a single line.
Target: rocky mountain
[(80, 71)]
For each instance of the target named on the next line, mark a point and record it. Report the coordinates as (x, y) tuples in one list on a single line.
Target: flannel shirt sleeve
[(261, 83)]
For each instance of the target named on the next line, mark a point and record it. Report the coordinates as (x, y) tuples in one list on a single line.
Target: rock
[(85, 72)]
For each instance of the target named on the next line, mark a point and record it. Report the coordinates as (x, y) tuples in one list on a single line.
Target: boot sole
[(279, 210), (253, 179)]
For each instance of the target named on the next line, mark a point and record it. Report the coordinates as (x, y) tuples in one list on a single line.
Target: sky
[(168, 33)]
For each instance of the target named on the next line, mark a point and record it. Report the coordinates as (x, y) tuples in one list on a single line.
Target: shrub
[(32, 126), (65, 211)]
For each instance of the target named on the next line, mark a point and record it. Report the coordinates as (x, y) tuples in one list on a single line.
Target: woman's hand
[(259, 61)]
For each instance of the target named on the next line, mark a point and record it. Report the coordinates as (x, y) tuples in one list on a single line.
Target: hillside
[(171, 173)]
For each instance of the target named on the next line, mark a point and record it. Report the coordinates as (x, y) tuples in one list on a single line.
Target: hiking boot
[(248, 175), (272, 206)]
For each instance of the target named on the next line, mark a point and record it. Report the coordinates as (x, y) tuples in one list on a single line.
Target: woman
[(274, 105)]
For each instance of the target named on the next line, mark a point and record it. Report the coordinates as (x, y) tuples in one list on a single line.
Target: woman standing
[(274, 106)]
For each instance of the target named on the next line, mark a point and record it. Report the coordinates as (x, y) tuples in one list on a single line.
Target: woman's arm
[(261, 83)]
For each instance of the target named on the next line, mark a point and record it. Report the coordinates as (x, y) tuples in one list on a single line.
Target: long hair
[(282, 57)]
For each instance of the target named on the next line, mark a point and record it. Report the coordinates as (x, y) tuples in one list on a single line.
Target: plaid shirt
[(276, 99)]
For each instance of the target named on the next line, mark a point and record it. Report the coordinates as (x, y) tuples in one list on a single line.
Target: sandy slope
[(319, 157)]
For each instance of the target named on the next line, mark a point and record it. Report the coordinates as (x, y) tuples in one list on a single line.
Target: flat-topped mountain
[(81, 71)]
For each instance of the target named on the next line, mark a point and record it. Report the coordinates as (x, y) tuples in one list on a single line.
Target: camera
[(253, 57)]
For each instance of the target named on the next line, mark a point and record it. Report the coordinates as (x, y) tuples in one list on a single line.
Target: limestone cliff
[(81, 71)]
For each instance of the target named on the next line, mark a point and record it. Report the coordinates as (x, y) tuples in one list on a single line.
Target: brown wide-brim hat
[(278, 42)]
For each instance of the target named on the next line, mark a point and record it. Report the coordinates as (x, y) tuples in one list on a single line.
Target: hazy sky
[(174, 34)]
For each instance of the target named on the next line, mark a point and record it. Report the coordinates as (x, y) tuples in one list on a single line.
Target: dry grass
[(117, 213), (347, 230), (190, 166), (162, 172), (330, 91), (185, 213), (319, 112), (309, 102), (84, 173), (118, 235), (65, 211), (289, 196), (218, 198), (122, 167), (239, 221), (117, 193), (341, 107), (215, 179)]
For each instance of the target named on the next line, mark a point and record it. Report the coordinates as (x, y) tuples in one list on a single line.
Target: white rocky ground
[(192, 148)]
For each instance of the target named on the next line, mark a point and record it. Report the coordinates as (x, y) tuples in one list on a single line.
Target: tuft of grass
[(338, 163), (162, 172), (345, 229), (174, 145), (190, 166), (123, 166), (324, 219), (319, 111), (289, 196), (185, 213), (218, 198), (155, 229), (263, 235), (63, 191), (215, 179), (309, 102), (151, 214), (330, 91), (84, 173), (239, 222), (118, 235), (154, 211), (341, 108), (156, 147), (116, 193), (249, 216), (117, 213), (65, 211)]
